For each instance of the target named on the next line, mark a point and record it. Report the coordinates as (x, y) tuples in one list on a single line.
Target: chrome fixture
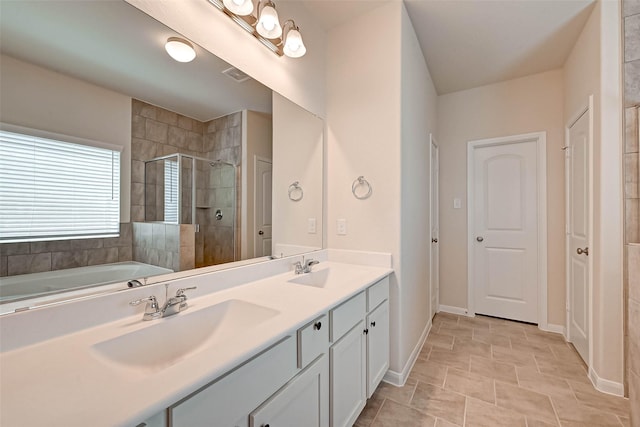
[(296, 193), (134, 283), (302, 267), (263, 23), (173, 305), (361, 182)]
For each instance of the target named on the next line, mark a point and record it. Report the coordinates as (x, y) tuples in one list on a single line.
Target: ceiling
[(114, 45), (471, 43)]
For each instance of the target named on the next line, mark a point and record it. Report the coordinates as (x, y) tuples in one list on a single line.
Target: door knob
[(479, 238), (434, 240), (581, 251), (261, 232)]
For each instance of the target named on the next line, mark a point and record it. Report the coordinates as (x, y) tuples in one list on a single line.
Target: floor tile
[(489, 338), (517, 358), (496, 370), (370, 411), (471, 385), (436, 339), (444, 423), (526, 402), (462, 345), (567, 370), (398, 394), (566, 353), (450, 358), (588, 396), (625, 421), (439, 402), (571, 414), (482, 414), (457, 331), (477, 322), (531, 379), (393, 414), (429, 372), (534, 347)]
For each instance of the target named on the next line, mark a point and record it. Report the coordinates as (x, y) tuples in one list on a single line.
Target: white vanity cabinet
[(359, 356)]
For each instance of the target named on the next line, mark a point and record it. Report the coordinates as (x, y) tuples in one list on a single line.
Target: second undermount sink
[(170, 340)]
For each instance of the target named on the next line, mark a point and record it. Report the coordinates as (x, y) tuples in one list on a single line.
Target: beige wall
[(297, 156), (41, 99), (593, 69), (528, 104)]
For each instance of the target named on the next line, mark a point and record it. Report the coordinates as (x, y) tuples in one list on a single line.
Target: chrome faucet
[(173, 305), (305, 267)]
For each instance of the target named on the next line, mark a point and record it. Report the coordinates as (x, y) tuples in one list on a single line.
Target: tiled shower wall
[(631, 25), (164, 245), (38, 257)]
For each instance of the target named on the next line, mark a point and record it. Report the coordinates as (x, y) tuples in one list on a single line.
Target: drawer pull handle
[(373, 324), (317, 327), (366, 331)]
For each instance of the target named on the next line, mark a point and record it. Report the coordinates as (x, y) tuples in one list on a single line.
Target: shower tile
[(632, 82), (3, 266), (235, 119), (632, 38), (147, 110), (630, 7), (177, 137), (166, 116), (137, 171), (187, 235), (137, 191), (631, 130), (136, 107), (138, 126), (172, 237), (14, 249), (187, 258), (102, 256), (53, 246), (156, 131), (137, 213), (165, 259), (631, 176), (185, 122), (77, 244), (194, 141), (69, 259), (23, 264), (152, 256), (158, 236), (141, 149), (632, 220), (125, 253), (139, 254), (633, 262)]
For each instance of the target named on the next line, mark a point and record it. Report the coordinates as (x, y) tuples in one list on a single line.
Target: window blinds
[(54, 190), (171, 191)]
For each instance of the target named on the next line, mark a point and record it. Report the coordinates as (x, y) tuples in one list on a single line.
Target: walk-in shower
[(184, 189)]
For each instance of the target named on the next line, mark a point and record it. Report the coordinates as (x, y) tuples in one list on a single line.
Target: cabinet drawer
[(235, 395), (313, 340), (377, 293), (346, 315)]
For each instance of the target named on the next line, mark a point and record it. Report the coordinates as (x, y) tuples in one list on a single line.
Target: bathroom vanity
[(258, 346)]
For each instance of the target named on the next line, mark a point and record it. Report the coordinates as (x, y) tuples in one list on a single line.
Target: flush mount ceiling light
[(263, 23), (180, 49)]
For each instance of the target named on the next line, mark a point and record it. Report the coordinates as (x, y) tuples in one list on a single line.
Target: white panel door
[(435, 229), (505, 231), (263, 204), (578, 231), (377, 346)]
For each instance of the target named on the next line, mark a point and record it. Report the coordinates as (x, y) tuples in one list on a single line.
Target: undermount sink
[(169, 340), (317, 278)]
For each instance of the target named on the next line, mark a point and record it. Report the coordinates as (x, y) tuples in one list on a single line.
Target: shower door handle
[(261, 232)]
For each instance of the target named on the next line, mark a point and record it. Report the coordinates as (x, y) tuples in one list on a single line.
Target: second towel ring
[(295, 188), (361, 182)]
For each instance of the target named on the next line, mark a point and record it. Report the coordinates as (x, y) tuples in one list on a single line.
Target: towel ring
[(361, 182), (295, 188)]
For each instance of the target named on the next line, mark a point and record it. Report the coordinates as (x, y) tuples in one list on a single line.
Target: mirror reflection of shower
[(184, 189)]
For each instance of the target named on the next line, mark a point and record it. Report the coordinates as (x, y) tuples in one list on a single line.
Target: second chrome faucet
[(171, 306)]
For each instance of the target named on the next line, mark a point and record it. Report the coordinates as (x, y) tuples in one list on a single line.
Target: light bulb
[(268, 23), (293, 46), (239, 7), (180, 49)]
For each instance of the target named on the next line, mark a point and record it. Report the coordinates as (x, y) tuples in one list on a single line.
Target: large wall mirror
[(215, 168)]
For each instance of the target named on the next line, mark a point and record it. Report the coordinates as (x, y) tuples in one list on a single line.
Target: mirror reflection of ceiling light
[(180, 49), (263, 23)]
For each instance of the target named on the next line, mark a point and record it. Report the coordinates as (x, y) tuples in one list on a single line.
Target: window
[(53, 189), (171, 191)]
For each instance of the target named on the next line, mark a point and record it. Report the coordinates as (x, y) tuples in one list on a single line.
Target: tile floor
[(491, 372)]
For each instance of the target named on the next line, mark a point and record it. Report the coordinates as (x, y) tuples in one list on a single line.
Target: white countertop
[(61, 381)]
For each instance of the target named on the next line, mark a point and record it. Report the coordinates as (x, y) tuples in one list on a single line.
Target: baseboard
[(558, 329), (398, 379), (606, 386), (454, 310)]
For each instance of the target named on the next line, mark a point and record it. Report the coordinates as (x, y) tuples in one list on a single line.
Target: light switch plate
[(457, 203), (342, 227), (311, 225)]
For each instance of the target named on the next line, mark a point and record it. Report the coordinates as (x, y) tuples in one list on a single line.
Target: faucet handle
[(180, 292), (151, 299), (152, 310)]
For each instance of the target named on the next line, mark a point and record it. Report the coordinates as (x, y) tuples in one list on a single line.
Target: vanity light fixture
[(263, 23), (180, 49)]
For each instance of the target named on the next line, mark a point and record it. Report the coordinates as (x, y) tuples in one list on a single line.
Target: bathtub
[(23, 286)]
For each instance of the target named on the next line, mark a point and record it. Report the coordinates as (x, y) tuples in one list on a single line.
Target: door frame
[(586, 109), (433, 143), (541, 144)]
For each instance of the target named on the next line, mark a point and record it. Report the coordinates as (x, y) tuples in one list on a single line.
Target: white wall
[(301, 80), (380, 110), (418, 120), (593, 69), (524, 105), (297, 156), (41, 99)]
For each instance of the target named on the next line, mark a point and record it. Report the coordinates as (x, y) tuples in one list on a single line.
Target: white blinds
[(53, 190), (171, 191)]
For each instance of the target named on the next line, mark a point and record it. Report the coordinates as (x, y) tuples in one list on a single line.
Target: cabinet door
[(348, 377), (377, 346), (301, 402)]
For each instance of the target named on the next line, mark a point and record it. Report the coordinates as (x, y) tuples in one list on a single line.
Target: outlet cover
[(342, 227)]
